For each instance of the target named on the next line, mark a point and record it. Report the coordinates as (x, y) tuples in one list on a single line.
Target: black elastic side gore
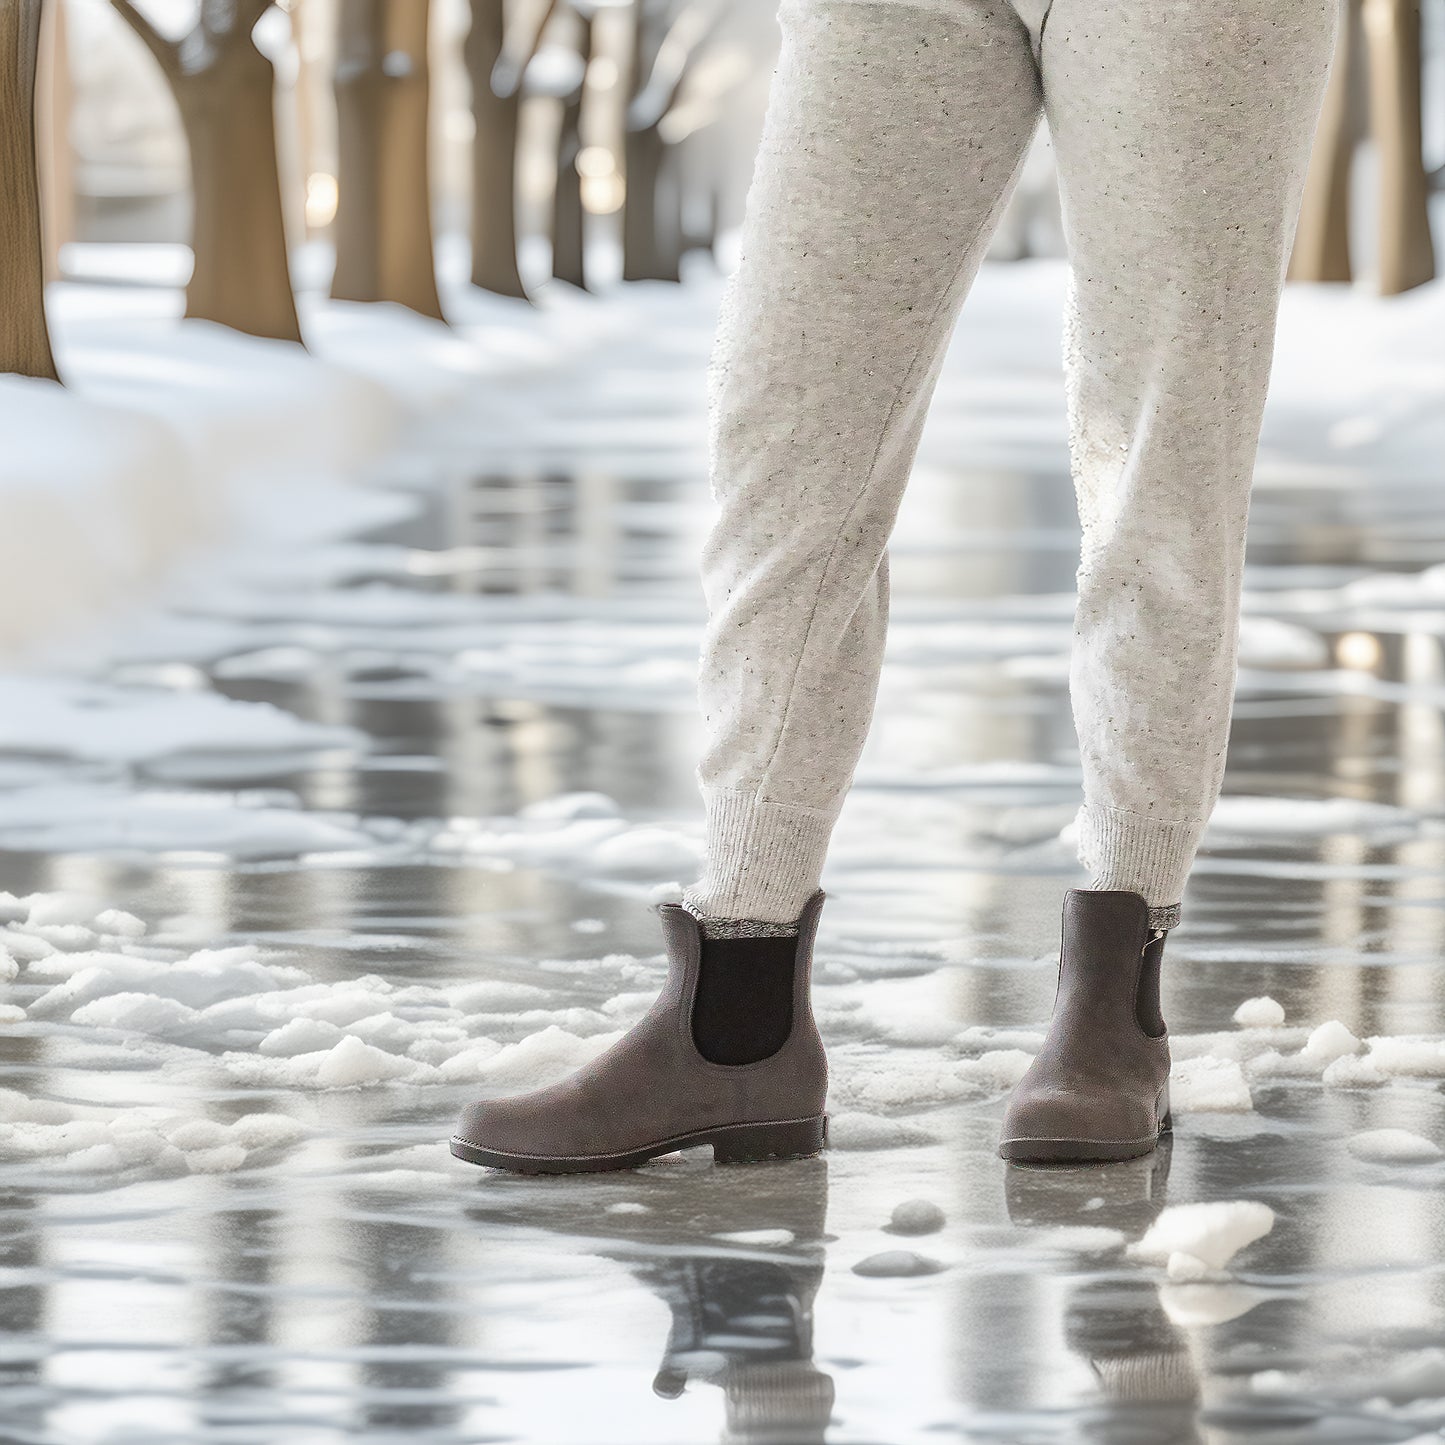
[(1147, 1007), (744, 1007)]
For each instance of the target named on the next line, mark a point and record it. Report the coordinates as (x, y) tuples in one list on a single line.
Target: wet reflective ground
[(439, 863)]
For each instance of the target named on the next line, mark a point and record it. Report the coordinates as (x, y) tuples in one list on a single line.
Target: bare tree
[(1391, 76), (569, 217), (1392, 38), (665, 43), (225, 90), (1322, 238), (24, 336), (499, 48), (383, 230)]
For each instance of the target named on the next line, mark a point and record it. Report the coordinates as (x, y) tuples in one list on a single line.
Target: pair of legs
[(895, 132)]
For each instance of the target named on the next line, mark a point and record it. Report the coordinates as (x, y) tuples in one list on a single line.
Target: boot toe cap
[(1067, 1117)]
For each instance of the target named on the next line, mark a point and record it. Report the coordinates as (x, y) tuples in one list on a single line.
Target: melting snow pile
[(1196, 1241)]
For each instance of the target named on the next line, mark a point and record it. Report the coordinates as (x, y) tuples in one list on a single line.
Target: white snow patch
[(1209, 1085), (1259, 1013), (1393, 1146), (1195, 1239)]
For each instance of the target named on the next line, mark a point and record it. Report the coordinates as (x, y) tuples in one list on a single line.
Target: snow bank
[(172, 433), (1195, 1240)]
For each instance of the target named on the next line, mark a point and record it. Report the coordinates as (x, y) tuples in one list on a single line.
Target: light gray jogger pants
[(894, 135)]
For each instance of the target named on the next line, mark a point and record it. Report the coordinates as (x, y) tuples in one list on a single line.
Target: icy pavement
[(352, 831)]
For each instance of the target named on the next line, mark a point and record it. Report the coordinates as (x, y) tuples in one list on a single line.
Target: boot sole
[(731, 1144), (1082, 1151)]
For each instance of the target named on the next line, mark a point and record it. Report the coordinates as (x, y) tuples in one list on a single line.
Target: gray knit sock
[(738, 927)]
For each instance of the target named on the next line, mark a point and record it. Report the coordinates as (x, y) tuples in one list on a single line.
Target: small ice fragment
[(858, 1130), (1097, 1202), (1209, 1085), (1259, 1013), (48, 909), (353, 1062), (897, 1264), (1211, 1233), (300, 1036), (629, 1206), (117, 923), (916, 1216), (759, 1236), (1186, 1268), (1330, 1041), (1393, 1146)]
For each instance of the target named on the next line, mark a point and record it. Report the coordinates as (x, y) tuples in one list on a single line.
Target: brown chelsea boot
[(728, 1055), (1099, 1087)]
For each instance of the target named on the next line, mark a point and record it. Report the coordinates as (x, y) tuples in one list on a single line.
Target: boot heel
[(752, 1143)]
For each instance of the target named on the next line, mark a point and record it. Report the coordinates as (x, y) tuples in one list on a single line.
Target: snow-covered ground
[(360, 817)]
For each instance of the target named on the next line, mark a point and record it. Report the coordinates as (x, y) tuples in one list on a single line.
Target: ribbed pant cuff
[(1144, 855), (763, 860)]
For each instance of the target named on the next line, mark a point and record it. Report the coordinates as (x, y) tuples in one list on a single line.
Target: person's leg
[(1182, 132), (893, 136)]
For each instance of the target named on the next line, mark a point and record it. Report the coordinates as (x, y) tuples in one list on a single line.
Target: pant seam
[(755, 797), (1148, 817)]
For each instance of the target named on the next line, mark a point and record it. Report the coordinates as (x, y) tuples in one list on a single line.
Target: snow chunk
[(916, 1216), (1194, 1239), (1259, 1013), (352, 1063), (1209, 1085), (1330, 1041), (1393, 1146), (862, 1131), (11, 1013), (897, 1264)]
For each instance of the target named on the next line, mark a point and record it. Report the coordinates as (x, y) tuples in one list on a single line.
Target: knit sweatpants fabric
[(894, 135)]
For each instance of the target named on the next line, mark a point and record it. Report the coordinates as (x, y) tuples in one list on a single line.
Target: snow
[(1195, 1241), (1393, 1146), (897, 1264), (916, 1216), (1259, 1013)]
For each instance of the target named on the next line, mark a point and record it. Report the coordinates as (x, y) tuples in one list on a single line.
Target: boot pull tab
[(1155, 934)]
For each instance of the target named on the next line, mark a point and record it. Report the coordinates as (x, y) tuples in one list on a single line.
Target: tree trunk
[(494, 157), (56, 159), (1392, 42), (643, 150), (24, 336), (569, 220), (384, 249), (667, 211), (225, 91), (1322, 238)]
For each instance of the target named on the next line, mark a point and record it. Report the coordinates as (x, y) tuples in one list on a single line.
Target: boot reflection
[(1117, 1325), (737, 1255)]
